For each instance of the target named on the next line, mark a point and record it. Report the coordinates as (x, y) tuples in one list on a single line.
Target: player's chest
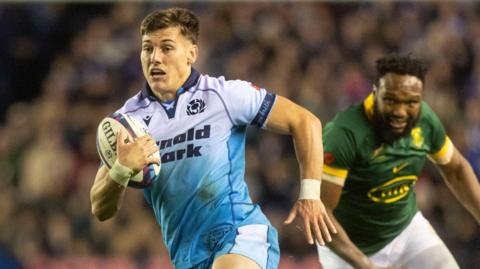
[(389, 173), (380, 162), (184, 119), (189, 125)]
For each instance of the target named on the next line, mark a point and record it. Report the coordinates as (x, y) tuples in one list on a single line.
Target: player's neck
[(171, 94), (165, 95)]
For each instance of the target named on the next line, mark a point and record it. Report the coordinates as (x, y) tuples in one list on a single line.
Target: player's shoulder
[(426, 111), (351, 124), (220, 84), (135, 103), (427, 115), (352, 118)]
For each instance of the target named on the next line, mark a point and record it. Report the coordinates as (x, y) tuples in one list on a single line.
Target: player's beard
[(383, 129)]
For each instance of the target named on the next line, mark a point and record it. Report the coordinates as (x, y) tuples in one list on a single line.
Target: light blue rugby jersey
[(202, 146)]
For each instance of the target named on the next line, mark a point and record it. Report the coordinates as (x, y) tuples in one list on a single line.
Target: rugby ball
[(107, 132)]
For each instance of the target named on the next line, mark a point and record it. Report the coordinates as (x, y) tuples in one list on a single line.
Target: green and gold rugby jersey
[(378, 200)]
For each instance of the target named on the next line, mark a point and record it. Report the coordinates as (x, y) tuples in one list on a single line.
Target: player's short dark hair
[(172, 17), (403, 65)]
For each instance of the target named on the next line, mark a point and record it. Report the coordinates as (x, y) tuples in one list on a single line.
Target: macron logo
[(147, 119)]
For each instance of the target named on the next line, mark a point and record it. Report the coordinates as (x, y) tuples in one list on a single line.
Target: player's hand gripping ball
[(107, 146)]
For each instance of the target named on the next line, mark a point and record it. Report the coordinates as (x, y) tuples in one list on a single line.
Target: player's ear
[(192, 54), (375, 89)]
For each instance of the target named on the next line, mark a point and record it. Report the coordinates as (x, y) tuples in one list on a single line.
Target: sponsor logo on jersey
[(195, 106), (398, 168), (147, 119), (190, 151), (377, 151), (417, 137), (392, 190)]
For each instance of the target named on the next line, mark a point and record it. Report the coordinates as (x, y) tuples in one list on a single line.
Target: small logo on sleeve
[(255, 86), (328, 158), (195, 106)]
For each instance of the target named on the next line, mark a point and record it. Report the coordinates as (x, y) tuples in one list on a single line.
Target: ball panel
[(107, 146), (126, 122), (107, 140), (101, 154)]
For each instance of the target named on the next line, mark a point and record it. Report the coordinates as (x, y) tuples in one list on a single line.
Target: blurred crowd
[(63, 67)]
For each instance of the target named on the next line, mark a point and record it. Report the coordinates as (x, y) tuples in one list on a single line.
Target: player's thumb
[(291, 215)]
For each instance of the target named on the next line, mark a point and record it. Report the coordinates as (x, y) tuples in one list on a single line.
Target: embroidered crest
[(417, 138), (195, 106)]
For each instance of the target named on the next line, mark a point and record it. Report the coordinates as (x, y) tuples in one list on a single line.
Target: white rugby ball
[(107, 146)]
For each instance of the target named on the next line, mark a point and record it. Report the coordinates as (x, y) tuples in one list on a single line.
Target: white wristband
[(309, 189), (120, 173)]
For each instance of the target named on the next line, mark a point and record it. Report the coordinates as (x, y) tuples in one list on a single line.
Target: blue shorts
[(258, 242)]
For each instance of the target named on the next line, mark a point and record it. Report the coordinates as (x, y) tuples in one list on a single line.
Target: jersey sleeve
[(441, 146), (339, 147), (247, 103)]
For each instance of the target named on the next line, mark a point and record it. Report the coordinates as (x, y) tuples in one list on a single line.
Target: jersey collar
[(368, 107), (191, 81)]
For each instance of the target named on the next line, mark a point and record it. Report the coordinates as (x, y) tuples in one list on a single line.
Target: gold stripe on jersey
[(368, 106), (336, 172), (392, 190), (444, 155), (333, 179)]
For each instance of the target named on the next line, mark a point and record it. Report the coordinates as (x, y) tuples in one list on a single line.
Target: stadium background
[(65, 66)]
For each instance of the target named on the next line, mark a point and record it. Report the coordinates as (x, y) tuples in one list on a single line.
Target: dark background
[(63, 67)]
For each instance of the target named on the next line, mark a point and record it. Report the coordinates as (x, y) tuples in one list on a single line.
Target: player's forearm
[(106, 197), (287, 117), (464, 185), (307, 138), (343, 247)]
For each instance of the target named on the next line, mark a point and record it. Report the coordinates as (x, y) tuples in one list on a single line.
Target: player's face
[(397, 104), (166, 58)]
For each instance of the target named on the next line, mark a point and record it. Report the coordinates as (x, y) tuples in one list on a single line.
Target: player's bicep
[(340, 154), (335, 175), (445, 154), (246, 103), (441, 147), (454, 163), (285, 114)]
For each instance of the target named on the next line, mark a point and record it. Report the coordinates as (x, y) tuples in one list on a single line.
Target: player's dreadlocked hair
[(403, 65)]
